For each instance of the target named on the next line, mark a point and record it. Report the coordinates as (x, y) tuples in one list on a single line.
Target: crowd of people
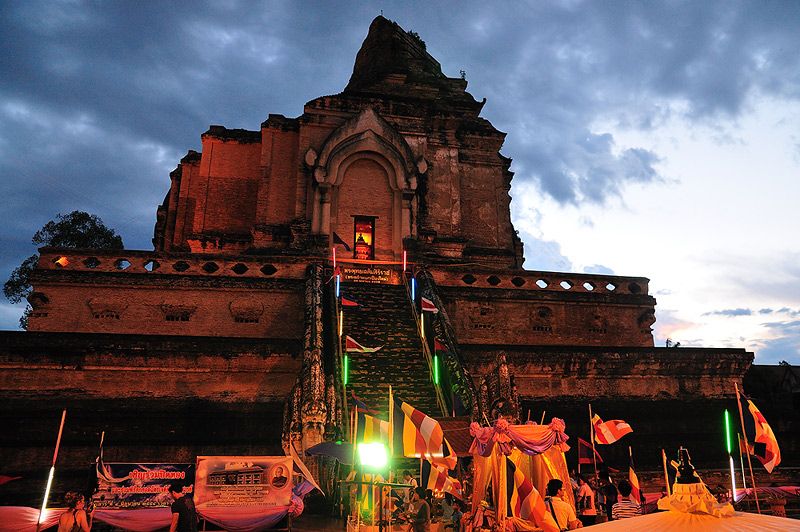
[(596, 500), (78, 516), (592, 504)]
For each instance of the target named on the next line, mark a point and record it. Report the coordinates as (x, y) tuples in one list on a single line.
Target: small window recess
[(364, 237)]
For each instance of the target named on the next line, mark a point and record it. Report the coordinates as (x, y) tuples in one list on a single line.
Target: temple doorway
[(364, 237)]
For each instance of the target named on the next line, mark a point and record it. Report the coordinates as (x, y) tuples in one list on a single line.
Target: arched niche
[(366, 168)]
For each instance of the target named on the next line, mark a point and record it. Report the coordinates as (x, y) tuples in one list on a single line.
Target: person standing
[(608, 492), (563, 512), (76, 518), (184, 515), (419, 511), (411, 481), (625, 507), (587, 512)]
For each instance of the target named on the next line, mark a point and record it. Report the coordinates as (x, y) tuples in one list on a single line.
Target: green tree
[(78, 230)]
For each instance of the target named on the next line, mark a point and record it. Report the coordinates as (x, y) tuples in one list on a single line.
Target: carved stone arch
[(371, 146), (367, 132), (366, 137)]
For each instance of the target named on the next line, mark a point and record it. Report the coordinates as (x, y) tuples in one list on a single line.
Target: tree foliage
[(76, 230)]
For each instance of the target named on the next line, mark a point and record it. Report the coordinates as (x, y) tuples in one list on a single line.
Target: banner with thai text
[(251, 481), (132, 486)]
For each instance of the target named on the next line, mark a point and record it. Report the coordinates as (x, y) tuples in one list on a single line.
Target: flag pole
[(591, 435), (52, 470), (391, 423), (747, 446), (741, 461), (666, 472), (543, 413), (355, 433)]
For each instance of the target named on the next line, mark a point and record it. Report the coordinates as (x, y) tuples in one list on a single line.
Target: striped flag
[(609, 431), (436, 479), (428, 306), (524, 500), (348, 302), (371, 429), (415, 434), (351, 346), (765, 446), (636, 490)]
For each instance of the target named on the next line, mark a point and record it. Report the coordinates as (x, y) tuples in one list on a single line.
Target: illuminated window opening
[(364, 237)]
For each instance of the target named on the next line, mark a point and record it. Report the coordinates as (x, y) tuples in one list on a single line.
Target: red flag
[(585, 452), (5, 479), (439, 346), (765, 446), (428, 306), (609, 431), (351, 346), (348, 302)]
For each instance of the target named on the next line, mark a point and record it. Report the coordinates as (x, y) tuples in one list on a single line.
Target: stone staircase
[(384, 317)]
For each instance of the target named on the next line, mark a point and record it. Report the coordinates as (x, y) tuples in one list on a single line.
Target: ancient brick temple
[(225, 338)]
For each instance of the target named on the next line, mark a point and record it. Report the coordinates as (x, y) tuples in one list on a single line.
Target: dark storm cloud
[(99, 100)]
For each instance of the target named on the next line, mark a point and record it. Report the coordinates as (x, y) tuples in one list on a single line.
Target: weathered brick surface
[(158, 399), (365, 191), (193, 302)]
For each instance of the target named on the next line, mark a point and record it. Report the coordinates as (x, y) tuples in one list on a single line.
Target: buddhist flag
[(415, 434), (348, 302), (585, 452), (436, 479), (371, 429), (609, 431), (765, 446), (351, 346), (636, 490), (524, 500), (428, 306)]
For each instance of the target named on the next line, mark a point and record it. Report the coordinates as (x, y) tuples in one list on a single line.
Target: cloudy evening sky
[(659, 139)]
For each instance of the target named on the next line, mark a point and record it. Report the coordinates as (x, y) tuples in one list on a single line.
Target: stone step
[(384, 318)]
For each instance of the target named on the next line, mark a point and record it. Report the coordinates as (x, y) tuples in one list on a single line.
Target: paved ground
[(317, 523)]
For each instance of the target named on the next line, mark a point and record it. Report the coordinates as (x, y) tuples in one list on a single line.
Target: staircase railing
[(339, 355), (461, 381), (425, 350)]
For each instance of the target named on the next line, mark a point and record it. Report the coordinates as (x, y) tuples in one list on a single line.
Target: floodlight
[(373, 455)]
